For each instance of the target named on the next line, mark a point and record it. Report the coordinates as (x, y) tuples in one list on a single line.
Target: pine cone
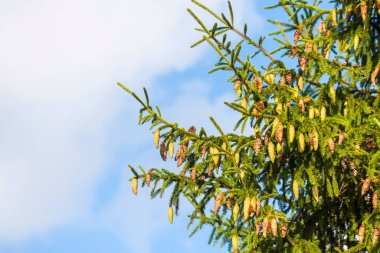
[(261, 105), (375, 200), (273, 226), (361, 233), (311, 139), (353, 168), (266, 139), (289, 77), (344, 162), (252, 209), (301, 104), (203, 152), (163, 151), (331, 145), (302, 61), (257, 145), (375, 235), (265, 226), (259, 84), (246, 206), (366, 185), (282, 81), (228, 203), (147, 179), (194, 174), (258, 207), (374, 75), (218, 202), (370, 144), (297, 35), (364, 10), (134, 185), (257, 226), (293, 52), (322, 27), (341, 137), (309, 47), (279, 133), (209, 171), (284, 230)]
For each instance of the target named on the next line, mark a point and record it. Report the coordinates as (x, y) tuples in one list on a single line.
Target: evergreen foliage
[(307, 179)]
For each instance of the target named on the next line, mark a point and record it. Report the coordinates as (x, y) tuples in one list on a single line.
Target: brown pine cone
[(293, 52), (297, 35), (163, 151)]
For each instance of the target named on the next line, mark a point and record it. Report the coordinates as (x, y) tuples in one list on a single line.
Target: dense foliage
[(306, 178)]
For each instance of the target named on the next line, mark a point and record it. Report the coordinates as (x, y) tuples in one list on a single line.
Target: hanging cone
[(344, 162), (332, 93), (235, 243), (257, 226), (311, 139), (301, 103), (297, 35), (356, 42), (361, 233), (170, 214), (279, 133), (228, 203), (147, 179), (322, 27), (259, 84), (323, 113), (301, 142), (300, 83), (252, 210), (331, 145), (273, 226), (215, 155), (266, 139), (353, 168), (293, 52), (309, 47), (209, 171), (315, 140), (258, 207), (289, 77), (282, 81), (237, 88), (291, 133), (366, 185), (341, 137), (194, 175), (265, 226), (246, 205), (218, 202), (284, 230), (235, 212), (163, 151), (375, 235), (271, 151), (295, 189), (364, 10), (375, 200), (156, 138), (203, 152), (374, 75), (302, 61), (134, 185), (171, 149), (257, 145)]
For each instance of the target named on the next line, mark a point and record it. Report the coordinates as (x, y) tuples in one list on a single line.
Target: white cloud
[(60, 61)]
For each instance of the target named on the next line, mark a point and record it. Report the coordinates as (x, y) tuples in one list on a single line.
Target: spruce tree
[(306, 177)]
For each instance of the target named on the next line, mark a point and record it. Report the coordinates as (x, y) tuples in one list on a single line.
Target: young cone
[(297, 35), (258, 207), (273, 225), (147, 179), (218, 202), (134, 185), (253, 206), (246, 205), (341, 137), (375, 200), (301, 142), (235, 243), (171, 149), (265, 226), (331, 145), (156, 138), (203, 152), (323, 113), (170, 214), (235, 212), (279, 133), (194, 174), (284, 230), (291, 133), (361, 233), (293, 52), (271, 151), (295, 189), (257, 226)]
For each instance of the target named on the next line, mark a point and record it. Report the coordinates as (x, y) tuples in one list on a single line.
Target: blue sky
[(67, 132)]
